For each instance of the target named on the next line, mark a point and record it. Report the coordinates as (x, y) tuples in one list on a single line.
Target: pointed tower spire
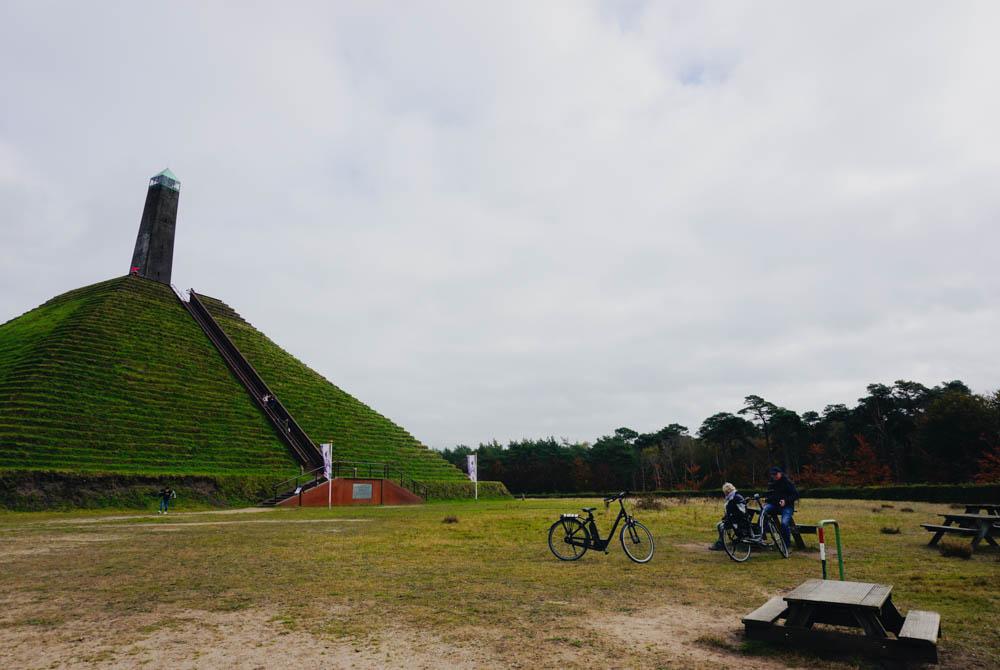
[(154, 246)]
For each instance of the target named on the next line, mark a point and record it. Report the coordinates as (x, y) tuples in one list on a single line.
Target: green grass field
[(397, 587)]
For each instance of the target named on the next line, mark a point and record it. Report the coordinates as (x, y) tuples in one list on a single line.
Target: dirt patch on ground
[(197, 639), (130, 517), (20, 547), (680, 632), (195, 524)]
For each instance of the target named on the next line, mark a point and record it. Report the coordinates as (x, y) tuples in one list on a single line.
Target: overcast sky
[(511, 219)]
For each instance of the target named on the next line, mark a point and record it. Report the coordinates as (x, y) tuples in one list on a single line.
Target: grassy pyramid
[(118, 378)]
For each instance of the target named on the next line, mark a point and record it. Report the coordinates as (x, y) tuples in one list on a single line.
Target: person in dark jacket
[(166, 495), (780, 500)]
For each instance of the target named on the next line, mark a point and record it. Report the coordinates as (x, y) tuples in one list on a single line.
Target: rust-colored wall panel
[(383, 492)]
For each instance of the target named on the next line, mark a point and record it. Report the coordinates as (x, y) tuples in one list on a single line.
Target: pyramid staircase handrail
[(291, 433), (291, 486)]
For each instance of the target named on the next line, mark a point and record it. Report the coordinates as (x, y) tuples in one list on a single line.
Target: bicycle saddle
[(589, 509)]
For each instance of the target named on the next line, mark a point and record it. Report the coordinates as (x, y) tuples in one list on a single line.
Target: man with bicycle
[(780, 500)]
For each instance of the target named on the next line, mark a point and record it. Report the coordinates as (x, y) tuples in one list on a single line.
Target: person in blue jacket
[(780, 500)]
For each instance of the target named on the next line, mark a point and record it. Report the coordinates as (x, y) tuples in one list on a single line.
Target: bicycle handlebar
[(623, 494)]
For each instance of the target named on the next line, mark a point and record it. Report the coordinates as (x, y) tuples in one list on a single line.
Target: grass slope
[(326, 412), (117, 377)]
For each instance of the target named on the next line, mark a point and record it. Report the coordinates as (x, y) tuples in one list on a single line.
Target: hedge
[(938, 493), (27, 490), (34, 490), (441, 490)]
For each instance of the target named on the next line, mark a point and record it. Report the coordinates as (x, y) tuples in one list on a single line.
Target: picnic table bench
[(800, 529), (796, 529), (851, 604), (988, 508), (977, 526)]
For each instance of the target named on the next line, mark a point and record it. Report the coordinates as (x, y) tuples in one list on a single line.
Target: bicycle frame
[(757, 534), (595, 536)]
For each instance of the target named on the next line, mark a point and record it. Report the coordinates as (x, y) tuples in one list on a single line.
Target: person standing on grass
[(166, 495), (780, 499)]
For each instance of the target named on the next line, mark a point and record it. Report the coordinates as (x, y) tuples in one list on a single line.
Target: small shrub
[(886, 530), (876, 510), (887, 506), (956, 549), (451, 518), (649, 503), (905, 509)]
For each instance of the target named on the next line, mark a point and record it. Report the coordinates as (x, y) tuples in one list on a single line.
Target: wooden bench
[(800, 529), (922, 628), (766, 614), (979, 526), (950, 530)]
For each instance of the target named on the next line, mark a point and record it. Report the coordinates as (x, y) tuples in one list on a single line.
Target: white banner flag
[(471, 460), (327, 451)]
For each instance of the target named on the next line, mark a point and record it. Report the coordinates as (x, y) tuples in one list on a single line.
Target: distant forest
[(904, 433)]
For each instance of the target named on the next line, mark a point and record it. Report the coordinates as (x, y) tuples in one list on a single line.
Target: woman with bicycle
[(735, 515)]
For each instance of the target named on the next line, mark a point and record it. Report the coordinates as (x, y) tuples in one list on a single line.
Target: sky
[(521, 219)]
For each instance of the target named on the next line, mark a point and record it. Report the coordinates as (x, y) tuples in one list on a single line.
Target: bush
[(905, 509), (451, 518), (886, 530), (648, 502), (955, 549)]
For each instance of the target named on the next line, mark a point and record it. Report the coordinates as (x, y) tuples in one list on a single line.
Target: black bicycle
[(739, 536), (570, 537)]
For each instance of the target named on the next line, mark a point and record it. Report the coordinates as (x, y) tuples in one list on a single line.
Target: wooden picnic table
[(862, 605), (988, 508), (857, 604), (977, 526)]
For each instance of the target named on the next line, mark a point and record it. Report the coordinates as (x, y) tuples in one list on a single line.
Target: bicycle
[(570, 537), (739, 538)]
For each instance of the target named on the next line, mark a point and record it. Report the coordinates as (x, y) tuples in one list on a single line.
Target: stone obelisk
[(154, 246)]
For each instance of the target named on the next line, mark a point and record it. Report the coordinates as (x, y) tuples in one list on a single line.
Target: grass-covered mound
[(118, 378), (326, 412)]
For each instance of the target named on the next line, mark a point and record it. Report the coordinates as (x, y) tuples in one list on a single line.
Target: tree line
[(903, 433)]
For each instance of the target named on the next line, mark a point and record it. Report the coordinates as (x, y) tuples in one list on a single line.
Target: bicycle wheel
[(736, 546), (637, 541), (568, 539), (774, 530)]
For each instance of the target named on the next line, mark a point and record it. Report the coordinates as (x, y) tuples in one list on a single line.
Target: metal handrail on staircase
[(291, 433), (292, 485)]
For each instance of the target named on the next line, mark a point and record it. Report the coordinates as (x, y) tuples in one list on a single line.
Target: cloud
[(520, 220)]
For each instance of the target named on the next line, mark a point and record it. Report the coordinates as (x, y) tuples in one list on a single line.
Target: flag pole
[(327, 451)]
